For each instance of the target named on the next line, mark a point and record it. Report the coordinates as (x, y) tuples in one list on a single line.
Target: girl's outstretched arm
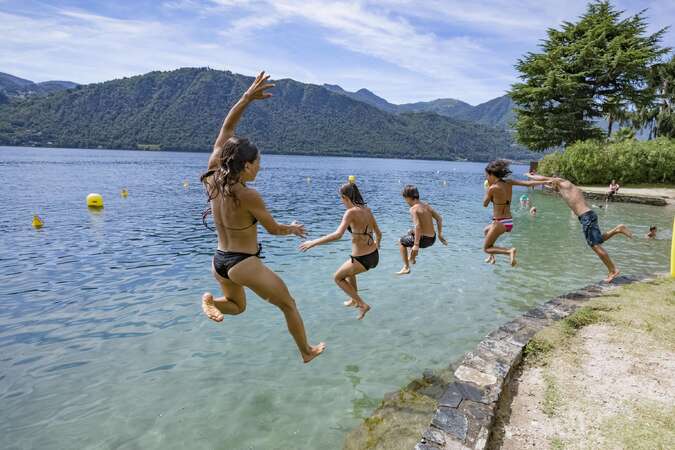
[(255, 92), (334, 236), (528, 183), (256, 206)]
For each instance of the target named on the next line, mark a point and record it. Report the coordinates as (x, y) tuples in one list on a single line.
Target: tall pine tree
[(594, 68)]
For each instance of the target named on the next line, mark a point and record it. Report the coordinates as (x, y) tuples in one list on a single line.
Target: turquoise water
[(102, 341)]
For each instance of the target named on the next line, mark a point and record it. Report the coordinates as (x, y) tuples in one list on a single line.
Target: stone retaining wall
[(467, 409)]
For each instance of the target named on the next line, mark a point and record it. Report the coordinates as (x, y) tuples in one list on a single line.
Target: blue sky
[(403, 50)]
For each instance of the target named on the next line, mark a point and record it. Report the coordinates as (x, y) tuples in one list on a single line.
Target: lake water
[(103, 343)]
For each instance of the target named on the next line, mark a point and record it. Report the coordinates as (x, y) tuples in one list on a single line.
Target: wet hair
[(410, 191), (351, 191), (653, 227), (232, 160), (498, 168)]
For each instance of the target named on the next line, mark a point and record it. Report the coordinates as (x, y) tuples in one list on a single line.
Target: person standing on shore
[(423, 235), (360, 222), (574, 198), (236, 211)]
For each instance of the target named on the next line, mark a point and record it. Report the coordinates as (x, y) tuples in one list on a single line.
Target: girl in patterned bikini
[(499, 193)]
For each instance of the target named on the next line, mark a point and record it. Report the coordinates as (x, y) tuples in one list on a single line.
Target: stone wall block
[(481, 416), (487, 362), (502, 350), (451, 421), (452, 397)]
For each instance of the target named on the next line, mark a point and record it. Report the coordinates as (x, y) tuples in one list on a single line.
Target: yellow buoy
[(186, 184), (352, 179), (95, 200), (37, 222), (124, 193)]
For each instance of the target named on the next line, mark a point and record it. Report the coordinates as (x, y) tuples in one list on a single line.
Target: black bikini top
[(243, 228), (365, 233), (508, 202)]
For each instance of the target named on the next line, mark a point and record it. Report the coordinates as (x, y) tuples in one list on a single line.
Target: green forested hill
[(183, 110)]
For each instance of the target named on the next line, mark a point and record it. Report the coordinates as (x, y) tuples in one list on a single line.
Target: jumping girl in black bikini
[(236, 211), (365, 255)]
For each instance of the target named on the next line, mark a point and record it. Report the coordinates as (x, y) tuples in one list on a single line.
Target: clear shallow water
[(102, 341)]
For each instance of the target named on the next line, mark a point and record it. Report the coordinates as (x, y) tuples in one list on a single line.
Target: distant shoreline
[(268, 152)]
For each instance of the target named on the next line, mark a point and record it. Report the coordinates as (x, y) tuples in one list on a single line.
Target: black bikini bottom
[(368, 261), (224, 261)]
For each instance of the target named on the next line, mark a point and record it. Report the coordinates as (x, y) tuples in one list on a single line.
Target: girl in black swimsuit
[(365, 255), (236, 211)]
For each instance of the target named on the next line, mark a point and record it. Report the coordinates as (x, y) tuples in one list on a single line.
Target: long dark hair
[(498, 168), (351, 191), (232, 160)]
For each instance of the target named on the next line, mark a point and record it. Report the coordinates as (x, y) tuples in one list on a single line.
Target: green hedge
[(629, 162)]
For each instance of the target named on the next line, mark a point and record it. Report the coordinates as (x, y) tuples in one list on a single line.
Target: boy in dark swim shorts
[(574, 198), (424, 234)]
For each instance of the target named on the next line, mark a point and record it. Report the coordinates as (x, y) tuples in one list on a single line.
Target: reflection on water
[(102, 341)]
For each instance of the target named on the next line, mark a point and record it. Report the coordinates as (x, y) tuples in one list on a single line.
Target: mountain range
[(13, 86), (497, 112), (183, 110)]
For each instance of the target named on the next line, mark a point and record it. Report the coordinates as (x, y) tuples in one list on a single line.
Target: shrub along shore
[(629, 162)]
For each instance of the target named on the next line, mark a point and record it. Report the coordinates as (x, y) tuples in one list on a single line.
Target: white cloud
[(85, 47)]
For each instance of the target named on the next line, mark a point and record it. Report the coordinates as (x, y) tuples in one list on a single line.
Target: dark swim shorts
[(409, 240), (589, 224)]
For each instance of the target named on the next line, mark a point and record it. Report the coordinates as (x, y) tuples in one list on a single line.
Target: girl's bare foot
[(209, 308), (512, 255), (623, 229), (350, 302), (404, 271), (314, 351), (364, 310), (612, 275)]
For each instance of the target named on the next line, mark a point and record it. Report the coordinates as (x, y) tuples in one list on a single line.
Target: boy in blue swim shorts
[(588, 219)]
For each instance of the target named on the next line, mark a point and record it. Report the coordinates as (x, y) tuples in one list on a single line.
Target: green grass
[(644, 427), (556, 444), (552, 400)]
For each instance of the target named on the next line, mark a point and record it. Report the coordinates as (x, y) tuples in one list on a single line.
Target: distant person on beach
[(499, 193), (423, 234), (236, 211), (613, 189), (361, 224), (652, 232), (589, 220)]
